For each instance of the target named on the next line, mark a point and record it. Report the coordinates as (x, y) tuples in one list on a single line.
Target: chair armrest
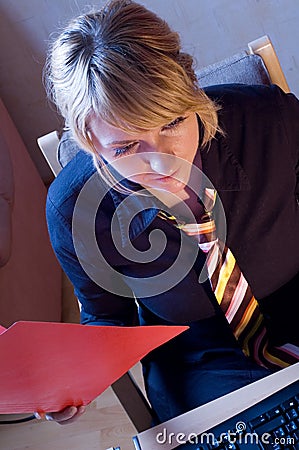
[(133, 401), (48, 145)]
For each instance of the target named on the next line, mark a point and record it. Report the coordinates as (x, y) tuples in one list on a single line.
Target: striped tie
[(233, 293)]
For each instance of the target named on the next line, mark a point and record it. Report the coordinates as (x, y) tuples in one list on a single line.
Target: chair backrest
[(257, 65), (239, 68)]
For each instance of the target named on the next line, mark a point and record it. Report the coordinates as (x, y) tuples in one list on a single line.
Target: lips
[(167, 177), (154, 180), (170, 183)]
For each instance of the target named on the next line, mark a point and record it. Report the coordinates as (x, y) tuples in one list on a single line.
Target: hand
[(68, 415)]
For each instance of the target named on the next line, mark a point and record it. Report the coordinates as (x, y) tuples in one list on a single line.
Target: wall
[(210, 30)]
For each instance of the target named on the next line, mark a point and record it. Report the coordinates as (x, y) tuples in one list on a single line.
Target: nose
[(162, 163), (158, 154)]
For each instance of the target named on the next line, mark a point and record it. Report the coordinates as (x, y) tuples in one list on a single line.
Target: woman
[(164, 158)]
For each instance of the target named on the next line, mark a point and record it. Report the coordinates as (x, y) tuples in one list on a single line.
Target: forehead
[(106, 133)]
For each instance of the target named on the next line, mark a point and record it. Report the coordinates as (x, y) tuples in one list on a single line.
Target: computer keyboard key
[(268, 427), (215, 445), (288, 404), (295, 435), (250, 446), (291, 427), (271, 446), (292, 414), (231, 446), (272, 413), (258, 421), (279, 432)]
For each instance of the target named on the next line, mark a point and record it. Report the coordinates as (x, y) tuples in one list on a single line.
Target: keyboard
[(272, 424), (263, 415)]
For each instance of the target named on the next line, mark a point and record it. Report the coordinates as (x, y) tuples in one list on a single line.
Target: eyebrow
[(121, 142)]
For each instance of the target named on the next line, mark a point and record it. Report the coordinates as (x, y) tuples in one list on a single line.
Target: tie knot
[(204, 232)]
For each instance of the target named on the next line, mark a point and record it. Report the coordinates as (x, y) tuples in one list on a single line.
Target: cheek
[(192, 141), (186, 146), (131, 167)]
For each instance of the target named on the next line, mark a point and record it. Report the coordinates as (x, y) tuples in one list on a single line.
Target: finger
[(79, 413), (62, 416), (67, 416), (81, 410)]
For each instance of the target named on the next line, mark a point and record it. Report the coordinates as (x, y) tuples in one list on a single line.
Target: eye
[(124, 150), (174, 123)]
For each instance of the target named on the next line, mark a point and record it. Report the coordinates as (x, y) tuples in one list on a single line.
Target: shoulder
[(65, 189), (256, 106), (79, 190), (246, 96), (240, 91)]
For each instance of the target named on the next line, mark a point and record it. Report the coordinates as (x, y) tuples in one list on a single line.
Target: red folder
[(47, 366)]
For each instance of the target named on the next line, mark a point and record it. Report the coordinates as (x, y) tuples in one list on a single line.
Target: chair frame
[(264, 48), (49, 145)]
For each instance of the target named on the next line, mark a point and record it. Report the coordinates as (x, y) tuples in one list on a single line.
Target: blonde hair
[(125, 65)]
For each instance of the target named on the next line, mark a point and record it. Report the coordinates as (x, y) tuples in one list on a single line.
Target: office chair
[(257, 65)]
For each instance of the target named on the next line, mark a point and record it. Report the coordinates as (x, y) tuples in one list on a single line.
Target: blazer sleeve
[(289, 107), (98, 306), (280, 318)]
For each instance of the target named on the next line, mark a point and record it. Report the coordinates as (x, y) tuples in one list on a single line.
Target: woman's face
[(154, 158)]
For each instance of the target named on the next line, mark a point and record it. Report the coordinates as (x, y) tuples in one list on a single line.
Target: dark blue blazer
[(254, 166)]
